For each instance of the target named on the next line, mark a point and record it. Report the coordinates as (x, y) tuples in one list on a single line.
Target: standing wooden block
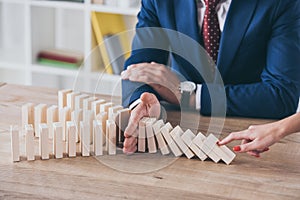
[(62, 97), (40, 116), (29, 140), (64, 116), (77, 117), (58, 140), (162, 145), (85, 139), (79, 101), (15, 149), (187, 138), (71, 129), (142, 135), (176, 134), (52, 116), (87, 103), (103, 117), (71, 99), (104, 107), (96, 106), (98, 137), (113, 111), (124, 116), (150, 135), (112, 146), (44, 141), (27, 115), (88, 118), (165, 130), (199, 141)]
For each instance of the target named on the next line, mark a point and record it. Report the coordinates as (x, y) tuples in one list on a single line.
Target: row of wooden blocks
[(179, 142), (87, 113)]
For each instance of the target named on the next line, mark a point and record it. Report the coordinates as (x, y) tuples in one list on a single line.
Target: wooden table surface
[(276, 175)]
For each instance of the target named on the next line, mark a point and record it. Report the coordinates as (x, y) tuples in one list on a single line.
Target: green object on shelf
[(54, 63)]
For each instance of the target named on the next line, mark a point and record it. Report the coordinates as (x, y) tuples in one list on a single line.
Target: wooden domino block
[(40, 116), (103, 117), (15, 149), (142, 135), (64, 116), (104, 107), (96, 106), (113, 111), (165, 130), (85, 139), (150, 135), (199, 141), (88, 118), (222, 151), (87, 103), (44, 141), (112, 146), (58, 140), (162, 145), (52, 116), (124, 116), (79, 101), (77, 117), (187, 138), (176, 134), (29, 140), (27, 115), (98, 137), (71, 132), (71, 99), (62, 97)]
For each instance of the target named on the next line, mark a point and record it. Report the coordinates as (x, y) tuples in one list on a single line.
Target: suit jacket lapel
[(238, 18)]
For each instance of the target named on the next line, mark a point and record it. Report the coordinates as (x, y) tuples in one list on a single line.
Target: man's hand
[(158, 76), (256, 139), (149, 107)]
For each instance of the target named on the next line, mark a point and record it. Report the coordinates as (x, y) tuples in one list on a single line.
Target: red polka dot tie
[(211, 29)]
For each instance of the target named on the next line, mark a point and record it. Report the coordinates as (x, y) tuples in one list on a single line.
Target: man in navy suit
[(258, 57)]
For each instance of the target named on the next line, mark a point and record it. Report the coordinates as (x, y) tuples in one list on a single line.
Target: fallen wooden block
[(58, 140), (188, 137), (150, 135), (165, 130), (15, 149), (29, 140), (199, 141), (62, 97), (176, 134), (162, 145), (98, 137), (40, 116), (71, 132), (44, 140)]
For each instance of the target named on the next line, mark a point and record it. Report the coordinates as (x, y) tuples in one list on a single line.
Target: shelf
[(58, 4), (115, 10), (14, 1), (36, 68)]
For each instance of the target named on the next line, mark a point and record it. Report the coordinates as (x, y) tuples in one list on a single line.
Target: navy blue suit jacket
[(259, 55)]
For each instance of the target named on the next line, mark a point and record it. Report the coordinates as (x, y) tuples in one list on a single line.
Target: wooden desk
[(276, 175)]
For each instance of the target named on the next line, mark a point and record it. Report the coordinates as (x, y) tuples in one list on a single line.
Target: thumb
[(148, 98)]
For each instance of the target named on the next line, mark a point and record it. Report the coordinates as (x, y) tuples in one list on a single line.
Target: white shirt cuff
[(198, 96), (134, 104)]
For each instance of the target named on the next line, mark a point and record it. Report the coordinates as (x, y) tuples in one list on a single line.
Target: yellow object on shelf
[(109, 24)]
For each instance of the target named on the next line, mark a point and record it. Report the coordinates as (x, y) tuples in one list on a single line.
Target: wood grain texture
[(276, 175)]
